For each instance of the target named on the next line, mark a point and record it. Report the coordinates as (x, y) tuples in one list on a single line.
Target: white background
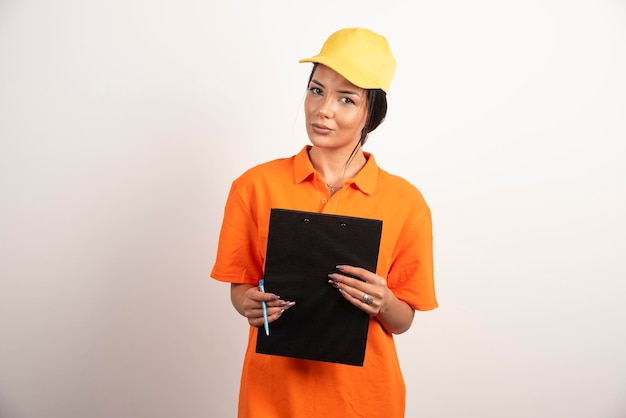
[(123, 122)]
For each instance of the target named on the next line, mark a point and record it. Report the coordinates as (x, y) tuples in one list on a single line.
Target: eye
[(347, 100), (315, 90)]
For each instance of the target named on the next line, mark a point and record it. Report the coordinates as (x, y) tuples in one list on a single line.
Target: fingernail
[(333, 283)]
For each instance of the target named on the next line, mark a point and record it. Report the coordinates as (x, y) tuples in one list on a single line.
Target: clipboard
[(302, 249)]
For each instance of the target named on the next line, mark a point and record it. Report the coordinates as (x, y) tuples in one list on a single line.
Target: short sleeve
[(411, 276), (238, 258)]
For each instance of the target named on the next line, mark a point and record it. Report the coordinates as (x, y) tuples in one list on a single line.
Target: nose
[(326, 108)]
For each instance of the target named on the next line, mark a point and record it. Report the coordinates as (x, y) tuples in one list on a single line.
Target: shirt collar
[(365, 179)]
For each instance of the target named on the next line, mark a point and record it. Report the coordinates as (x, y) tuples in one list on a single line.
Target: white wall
[(122, 124)]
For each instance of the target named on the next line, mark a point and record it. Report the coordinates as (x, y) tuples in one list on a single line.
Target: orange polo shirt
[(277, 387)]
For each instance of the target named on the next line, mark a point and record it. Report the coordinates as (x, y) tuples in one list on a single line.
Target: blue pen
[(266, 324)]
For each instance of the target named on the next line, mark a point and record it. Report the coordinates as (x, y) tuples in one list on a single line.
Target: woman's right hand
[(248, 301)]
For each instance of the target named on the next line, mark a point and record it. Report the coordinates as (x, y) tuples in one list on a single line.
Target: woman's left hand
[(369, 294)]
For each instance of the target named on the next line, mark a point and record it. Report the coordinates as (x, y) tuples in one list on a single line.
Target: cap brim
[(346, 70)]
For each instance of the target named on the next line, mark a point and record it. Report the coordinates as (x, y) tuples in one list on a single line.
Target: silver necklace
[(332, 188)]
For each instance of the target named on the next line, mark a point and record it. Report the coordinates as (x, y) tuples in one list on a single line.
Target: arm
[(395, 315)]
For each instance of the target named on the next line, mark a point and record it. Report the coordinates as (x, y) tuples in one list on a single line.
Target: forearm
[(396, 316), (237, 296)]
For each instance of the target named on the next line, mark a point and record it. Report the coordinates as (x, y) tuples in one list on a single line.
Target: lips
[(320, 129)]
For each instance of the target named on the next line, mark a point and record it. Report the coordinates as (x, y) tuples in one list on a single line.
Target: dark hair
[(376, 109)]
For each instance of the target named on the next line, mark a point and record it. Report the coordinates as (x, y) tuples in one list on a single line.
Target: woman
[(346, 99)]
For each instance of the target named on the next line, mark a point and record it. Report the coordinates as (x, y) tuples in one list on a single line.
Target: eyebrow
[(352, 92)]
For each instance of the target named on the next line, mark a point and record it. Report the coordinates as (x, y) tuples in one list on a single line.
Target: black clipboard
[(302, 249)]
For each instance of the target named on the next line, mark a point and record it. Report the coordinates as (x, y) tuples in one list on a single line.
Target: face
[(335, 111)]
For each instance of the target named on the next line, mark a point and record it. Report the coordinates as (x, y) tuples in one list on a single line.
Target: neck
[(335, 167)]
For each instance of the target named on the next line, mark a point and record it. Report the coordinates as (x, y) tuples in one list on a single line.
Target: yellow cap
[(361, 56)]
